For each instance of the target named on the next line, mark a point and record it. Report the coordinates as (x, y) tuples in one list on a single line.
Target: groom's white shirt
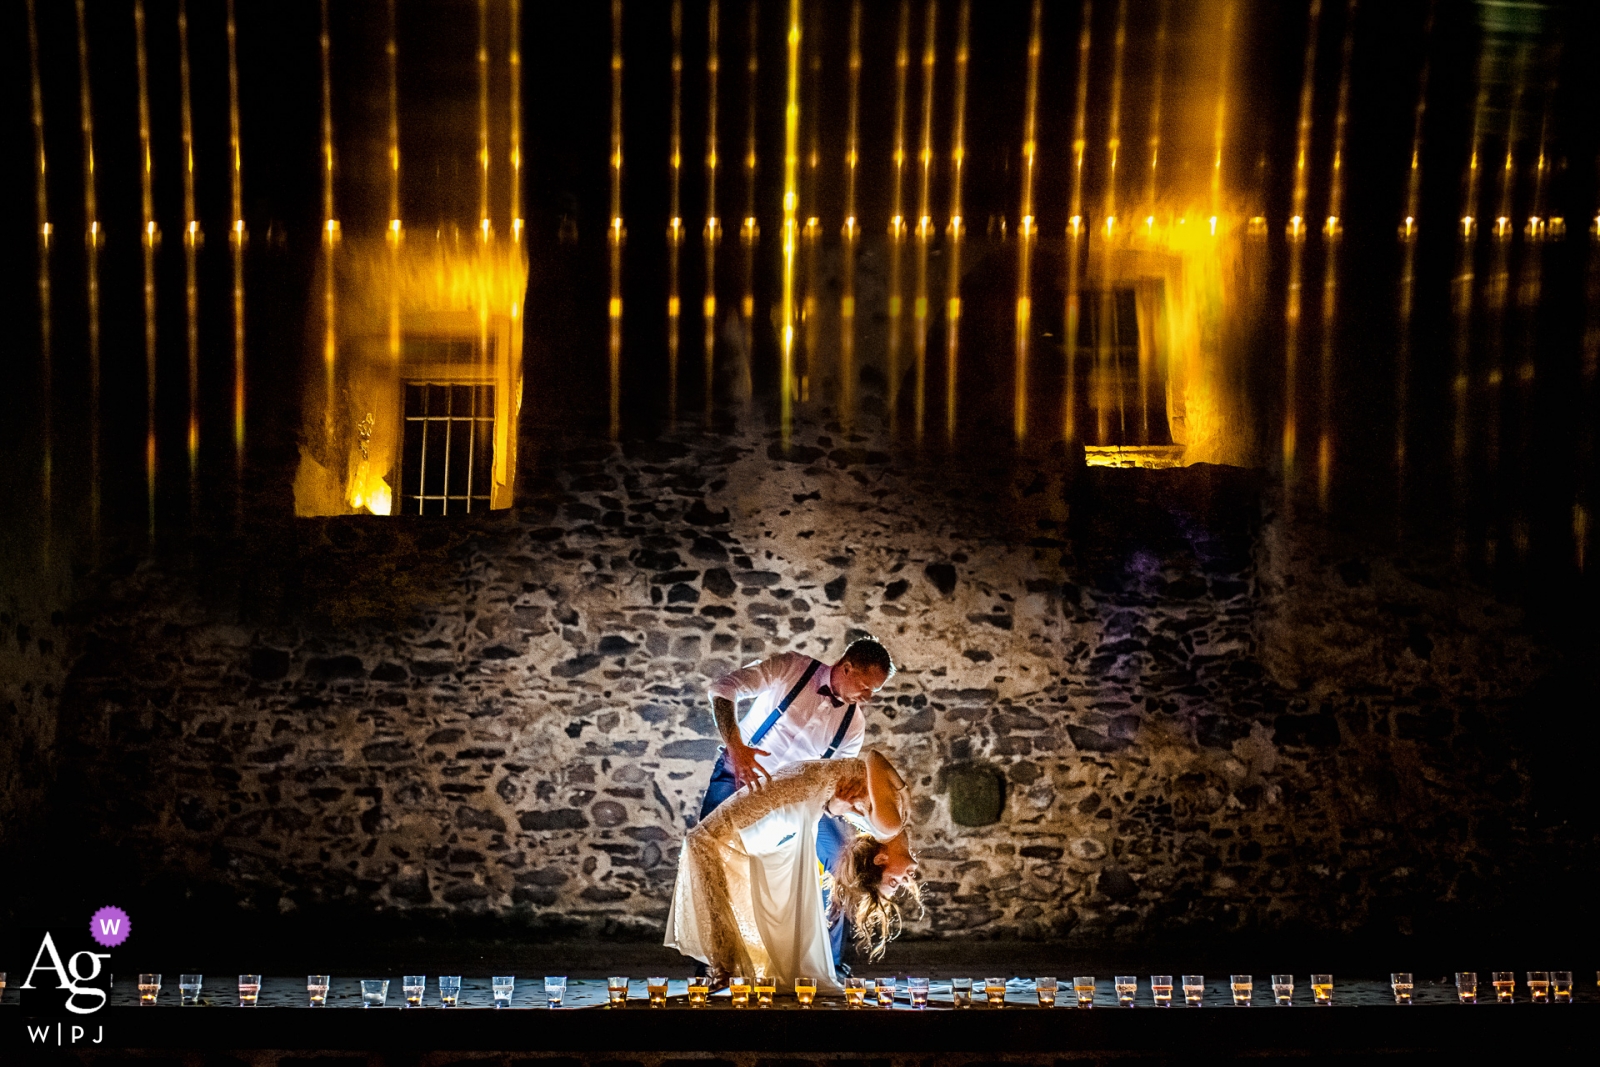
[(801, 733)]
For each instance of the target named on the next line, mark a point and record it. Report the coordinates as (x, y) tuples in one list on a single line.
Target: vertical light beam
[(791, 205), (330, 231), (147, 206), (713, 230), (191, 247), (675, 221), (514, 63), (1408, 278), (1463, 290), (1108, 368), (483, 120), (750, 231), (47, 431), (1158, 84), (1077, 230), (236, 243), (1296, 234), (1157, 90), (1026, 232), (614, 234), (396, 231), (1331, 230), (919, 308), (850, 232), (92, 237), (952, 277), (897, 221)]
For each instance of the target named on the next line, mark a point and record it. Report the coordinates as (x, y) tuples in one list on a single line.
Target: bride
[(748, 898)]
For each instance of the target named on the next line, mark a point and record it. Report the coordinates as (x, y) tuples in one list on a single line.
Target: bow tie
[(823, 690)]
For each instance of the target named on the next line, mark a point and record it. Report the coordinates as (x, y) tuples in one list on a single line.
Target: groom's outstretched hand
[(746, 771)]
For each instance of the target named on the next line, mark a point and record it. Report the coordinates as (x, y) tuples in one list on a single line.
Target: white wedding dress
[(749, 898)]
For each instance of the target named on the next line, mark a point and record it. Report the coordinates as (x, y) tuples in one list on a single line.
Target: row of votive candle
[(374, 991), (1542, 986)]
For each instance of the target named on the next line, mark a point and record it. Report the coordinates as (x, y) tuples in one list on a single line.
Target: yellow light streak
[(514, 63), (46, 354), (675, 227), (1019, 403), (1330, 267), (897, 226), (750, 234), (958, 148), (330, 235), (919, 327), (191, 286), (1463, 291), (1296, 234), (483, 118), (91, 272), (147, 205), (847, 299), (712, 229), (791, 203), (1076, 231), (614, 339)]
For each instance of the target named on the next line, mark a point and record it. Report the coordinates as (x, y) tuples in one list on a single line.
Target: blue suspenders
[(783, 706), (844, 725)]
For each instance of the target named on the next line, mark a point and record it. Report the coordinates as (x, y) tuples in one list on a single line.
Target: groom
[(803, 709)]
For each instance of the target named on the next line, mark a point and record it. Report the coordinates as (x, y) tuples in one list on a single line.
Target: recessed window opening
[(1119, 381), (448, 448)]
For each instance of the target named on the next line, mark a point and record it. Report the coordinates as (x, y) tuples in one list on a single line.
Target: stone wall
[(1131, 703)]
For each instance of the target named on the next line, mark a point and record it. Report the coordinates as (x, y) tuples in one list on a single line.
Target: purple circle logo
[(109, 926)]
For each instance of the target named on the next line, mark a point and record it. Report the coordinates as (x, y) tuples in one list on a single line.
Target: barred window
[(448, 448)]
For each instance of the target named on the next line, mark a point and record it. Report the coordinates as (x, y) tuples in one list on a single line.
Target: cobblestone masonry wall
[(1190, 714)]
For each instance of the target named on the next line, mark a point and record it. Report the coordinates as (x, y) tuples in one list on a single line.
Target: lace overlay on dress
[(750, 868)]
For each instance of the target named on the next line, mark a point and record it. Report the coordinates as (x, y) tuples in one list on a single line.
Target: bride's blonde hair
[(857, 894)]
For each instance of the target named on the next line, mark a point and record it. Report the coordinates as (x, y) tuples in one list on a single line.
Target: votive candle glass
[(1283, 989), (317, 989), (249, 990), (1083, 986), (1161, 990), (1045, 989), (1467, 986), (1127, 987)]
